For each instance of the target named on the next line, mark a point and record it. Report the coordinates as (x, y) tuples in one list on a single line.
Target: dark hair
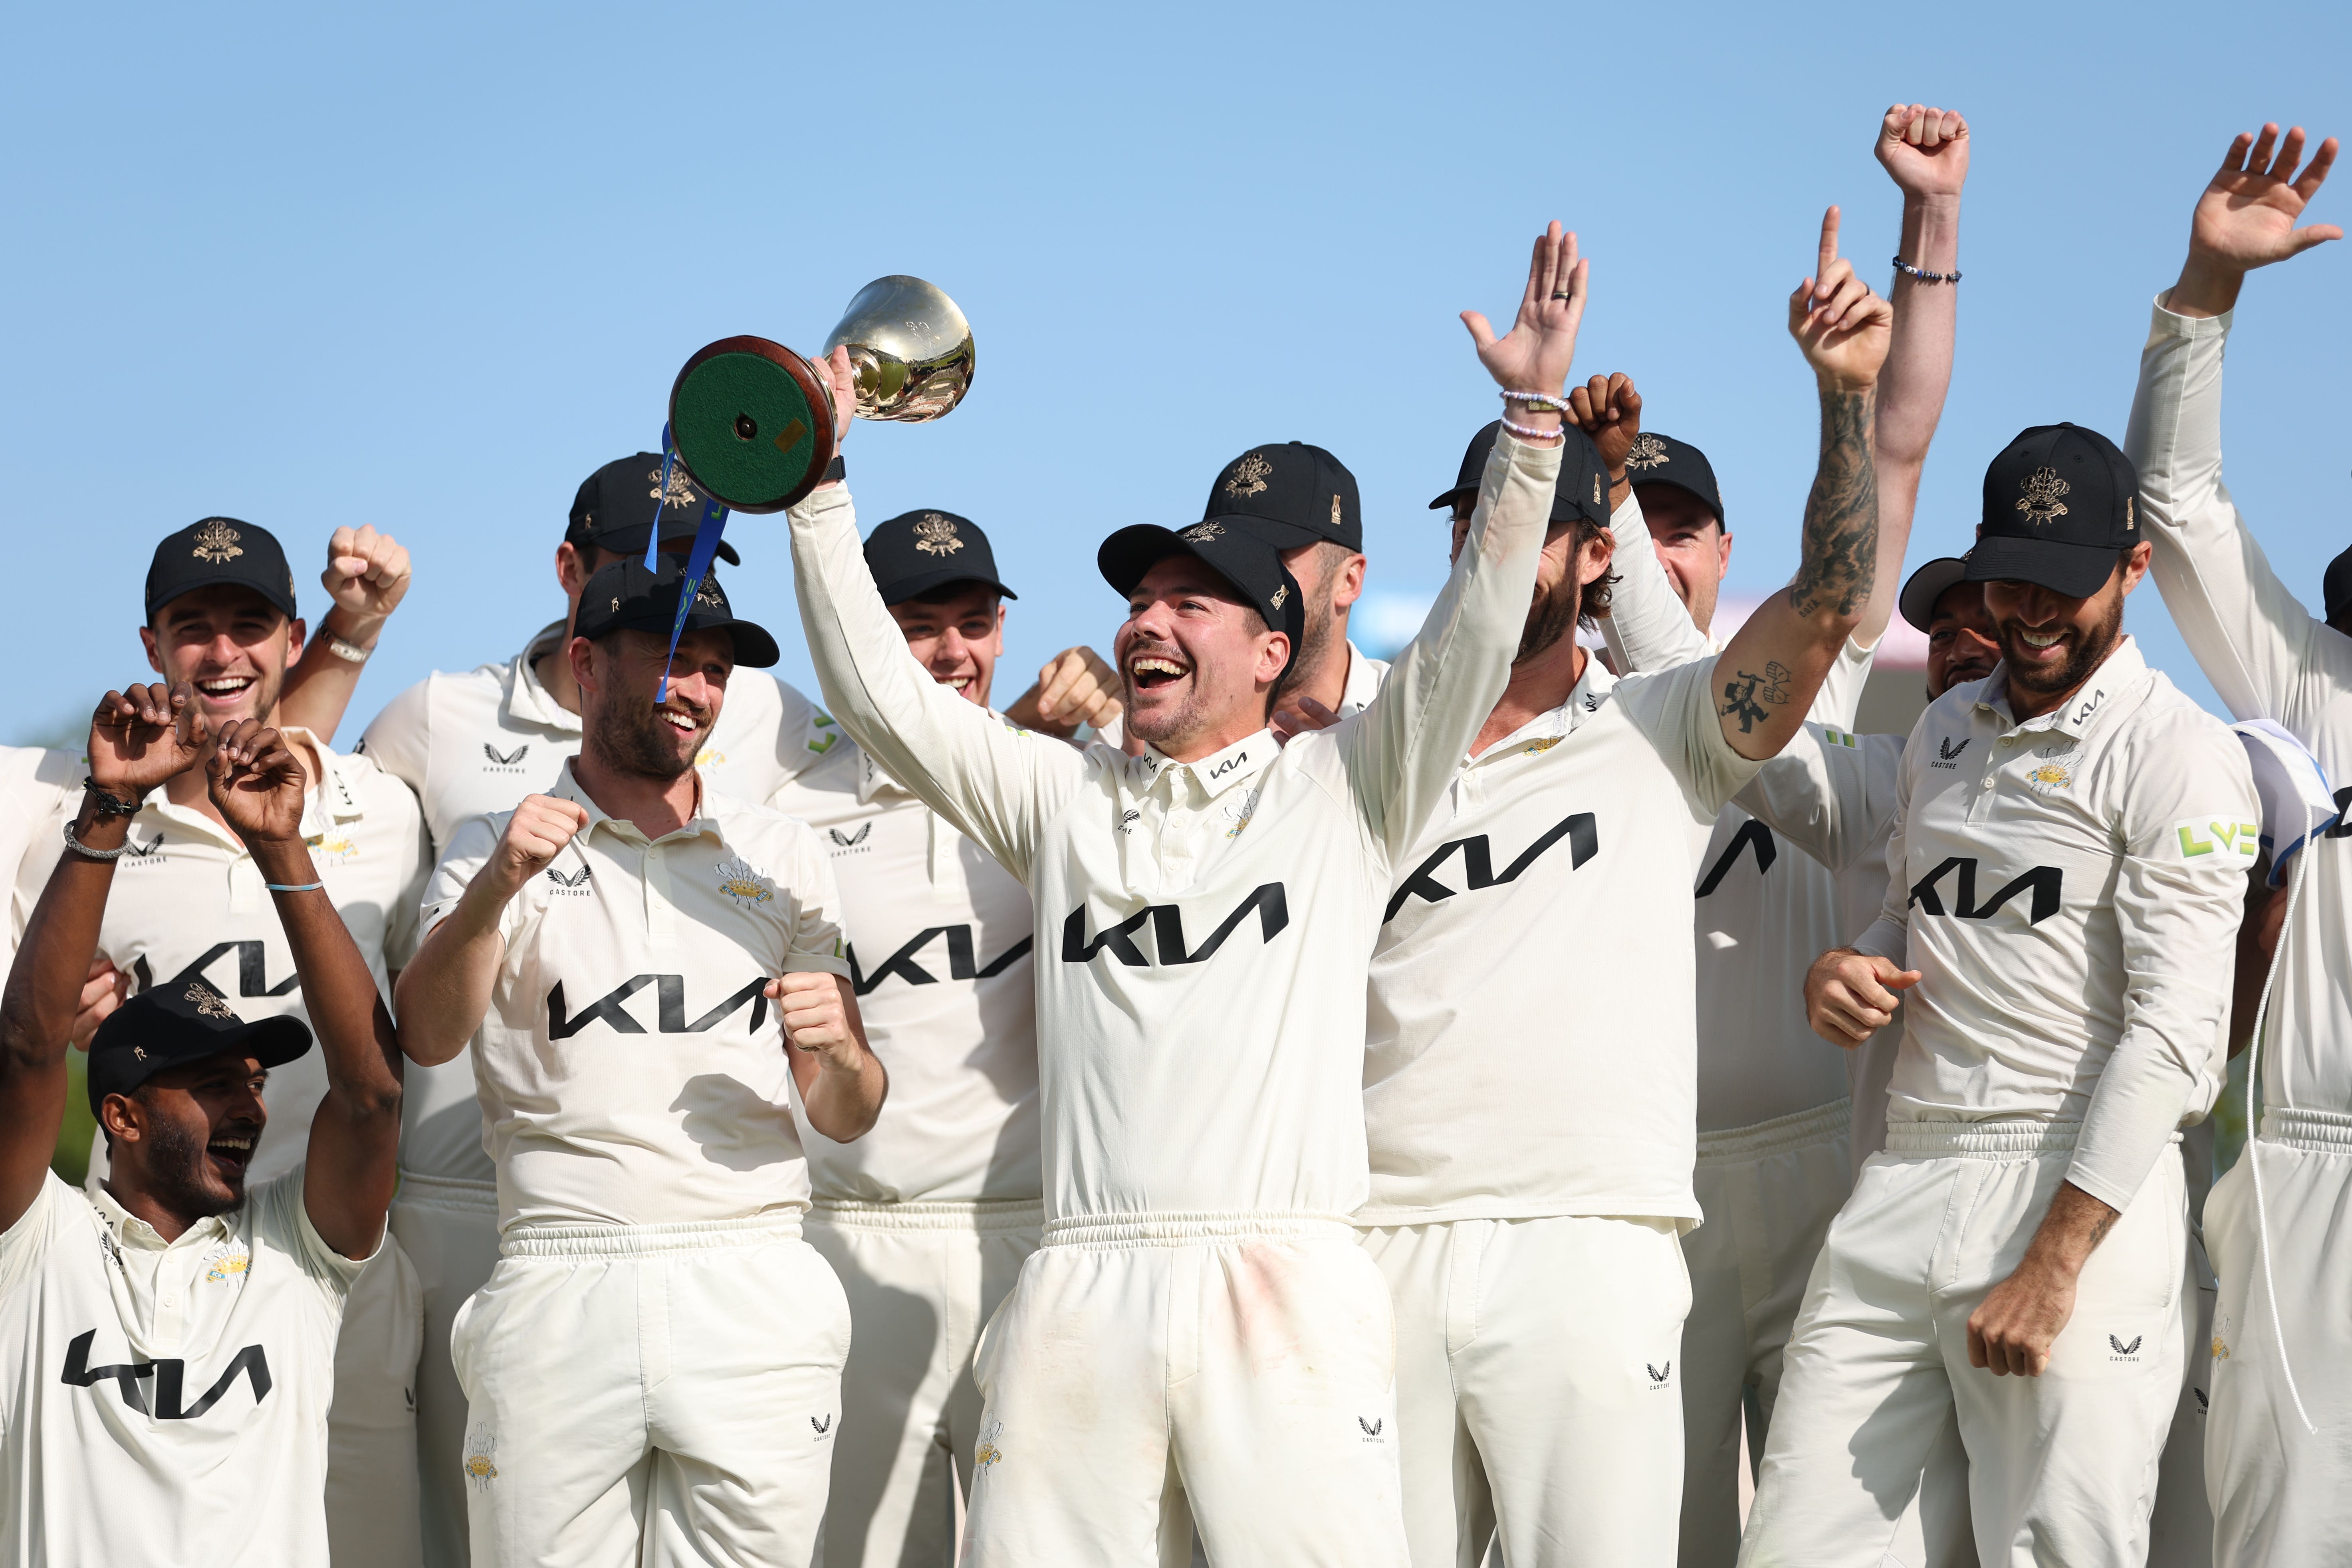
[(1592, 608)]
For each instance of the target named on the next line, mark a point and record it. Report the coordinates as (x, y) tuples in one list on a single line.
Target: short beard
[(177, 1176), (1550, 617), (2091, 650), (636, 742)]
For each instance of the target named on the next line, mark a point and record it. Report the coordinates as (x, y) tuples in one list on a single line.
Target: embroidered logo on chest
[(333, 848), (230, 1260), (739, 882)]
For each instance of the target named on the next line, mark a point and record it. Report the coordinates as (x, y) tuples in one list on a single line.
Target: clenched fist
[(537, 832), (143, 735), (1849, 997), (366, 575), (819, 1018)]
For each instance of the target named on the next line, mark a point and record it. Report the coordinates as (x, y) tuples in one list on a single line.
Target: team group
[(1240, 1099)]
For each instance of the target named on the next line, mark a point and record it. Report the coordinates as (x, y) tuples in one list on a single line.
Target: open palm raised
[(2247, 216), (1535, 355)]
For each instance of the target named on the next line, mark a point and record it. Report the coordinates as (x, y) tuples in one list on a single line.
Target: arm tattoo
[(1841, 544), (2104, 1223), (1744, 696)]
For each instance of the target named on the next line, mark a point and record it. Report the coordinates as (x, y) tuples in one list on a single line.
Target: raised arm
[(366, 578), (1769, 673), (2251, 634), (1925, 150), (138, 738), (1403, 751), (256, 785), (1648, 627)]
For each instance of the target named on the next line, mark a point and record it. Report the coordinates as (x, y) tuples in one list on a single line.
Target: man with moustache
[(2066, 872), (927, 1218), (1578, 809), (192, 906), (168, 1338), (653, 1370)]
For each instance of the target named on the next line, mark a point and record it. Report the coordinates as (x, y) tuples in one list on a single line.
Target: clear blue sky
[(425, 268)]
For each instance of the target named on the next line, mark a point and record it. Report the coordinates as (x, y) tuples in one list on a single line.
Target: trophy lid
[(753, 423)]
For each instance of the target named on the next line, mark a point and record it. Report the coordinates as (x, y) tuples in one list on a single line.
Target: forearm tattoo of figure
[(1840, 541), (1745, 695)]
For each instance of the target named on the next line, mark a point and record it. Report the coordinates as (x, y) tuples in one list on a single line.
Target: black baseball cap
[(1291, 494), (1242, 555), (1927, 585), (1582, 491), (623, 596), (1656, 459), (614, 508), (917, 552), (176, 1022), (2336, 588), (219, 550), (2058, 505)]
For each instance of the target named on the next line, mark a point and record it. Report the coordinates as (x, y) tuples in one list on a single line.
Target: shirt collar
[(1363, 682), (2121, 672), (1216, 772), (1546, 729), (567, 787), (330, 799), (128, 1230), (529, 702)]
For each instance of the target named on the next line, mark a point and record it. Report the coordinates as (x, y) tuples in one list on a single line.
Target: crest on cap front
[(1203, 532), (936, 535), (679, 492), (2039, 499), (216, 543), (1647, 452), (1248, 477)]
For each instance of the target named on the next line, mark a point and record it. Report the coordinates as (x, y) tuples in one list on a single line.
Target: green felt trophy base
[(753, 423)]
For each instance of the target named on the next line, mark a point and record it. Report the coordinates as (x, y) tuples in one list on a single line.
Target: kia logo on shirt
[(960, 959), (1228, 766), (1168, 931), (1752, 833), (169, 1374), (669, 993), (1478, 863), (2044, 882), (252, 976)]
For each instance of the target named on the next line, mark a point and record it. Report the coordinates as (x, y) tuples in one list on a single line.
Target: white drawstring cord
[(2253, 1126)]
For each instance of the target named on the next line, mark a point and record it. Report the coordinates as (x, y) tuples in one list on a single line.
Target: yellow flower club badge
[(739, 882), (228, 1262), (481, 1467)]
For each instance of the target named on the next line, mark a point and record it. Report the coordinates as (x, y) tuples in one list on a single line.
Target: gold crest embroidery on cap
[(1596, 489), (2127, 511), (679, 493), (1280, 595), (1647, 452), (706, 592), (936, 535), (217, 542), (1335, 509), (1248, 477), (1201, 532), (2040, 503), (209, 1002)]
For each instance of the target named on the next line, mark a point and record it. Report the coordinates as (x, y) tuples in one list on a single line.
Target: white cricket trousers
[(450, 1231), (371, 1480), (1769, 1193), (1536, 1388), (648, 1396), (921, 1279), (2063, 1467), (2282, 1495), (1243, 1361)]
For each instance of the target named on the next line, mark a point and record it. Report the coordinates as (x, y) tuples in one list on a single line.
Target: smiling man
[(168, 1340), (2066, 873), (654, 1365), (1200, 1324)]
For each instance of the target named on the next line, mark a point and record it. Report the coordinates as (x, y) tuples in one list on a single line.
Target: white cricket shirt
[(1558, 865), (1204, 926), (189, 904), (477, 741), (33, 785), (2070, 890), (2269, 658), (1763, 910), (938, 947), (630, 1071), (166, 1403)]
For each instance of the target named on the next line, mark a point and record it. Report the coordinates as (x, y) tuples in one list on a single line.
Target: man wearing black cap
[(927, 1218), (2067, 869), (2281, 1340), (222, 617), (170, 1335), (655, 1364), (479, 740)]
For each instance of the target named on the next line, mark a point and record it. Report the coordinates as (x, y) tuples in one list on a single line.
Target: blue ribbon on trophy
[(707, 535)]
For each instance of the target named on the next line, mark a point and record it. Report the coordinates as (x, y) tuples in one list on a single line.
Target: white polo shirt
[(939, 951), (1206, 925), (2070, 888), (1511, 1070), (35, 785), (188, 903), (477, 741), (2269, 658), (1763, 910), (630, 1071), (167, 1402)]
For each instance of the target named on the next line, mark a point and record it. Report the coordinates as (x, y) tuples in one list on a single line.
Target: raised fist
[(366, 574), (1924, 149), (537, 832)]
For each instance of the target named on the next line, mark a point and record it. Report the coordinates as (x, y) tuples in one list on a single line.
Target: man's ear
[(2136, 567), (298, 633), (1349, 587), (154, 649), (999, 628), (582, 655), (1593, 560), (1723, 560), (117, 1117), (1273, 656), (571, 569)]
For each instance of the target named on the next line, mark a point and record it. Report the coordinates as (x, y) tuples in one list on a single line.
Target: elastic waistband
[(983, 1217), (546, 1240), (1207, 1228), (1797, 1129), (1982, 1140), (2321, 1131), (447, 1192)]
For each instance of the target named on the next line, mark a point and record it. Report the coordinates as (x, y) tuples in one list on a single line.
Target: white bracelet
[(1538, 400), (1529, 433), (344, 650), (87, 853)]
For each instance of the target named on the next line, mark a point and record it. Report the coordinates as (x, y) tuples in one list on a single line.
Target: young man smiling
[(655, 1364), (168, 1341), (2066, 873), (1200, 1322)]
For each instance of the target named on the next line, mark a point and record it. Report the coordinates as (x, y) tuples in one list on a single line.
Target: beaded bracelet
[(1529, 433), (87, 853), (1922, 275), (1538, 400)]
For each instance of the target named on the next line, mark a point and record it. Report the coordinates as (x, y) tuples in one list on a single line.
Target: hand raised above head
[(2247, 216), (1841, 325), (255, 783), (1924, 150), (144, 734), (367, 573), (1536, 354), (1609, 409)]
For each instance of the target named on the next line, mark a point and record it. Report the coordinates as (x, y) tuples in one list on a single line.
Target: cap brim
[(754, 649), (1703, 499), (1454, 495), (2073, 571), (1928, 584), (1280, 536), (631, 541), (898, 590)]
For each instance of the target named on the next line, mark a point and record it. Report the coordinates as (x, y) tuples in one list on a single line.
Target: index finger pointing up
[(1829, 242)]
